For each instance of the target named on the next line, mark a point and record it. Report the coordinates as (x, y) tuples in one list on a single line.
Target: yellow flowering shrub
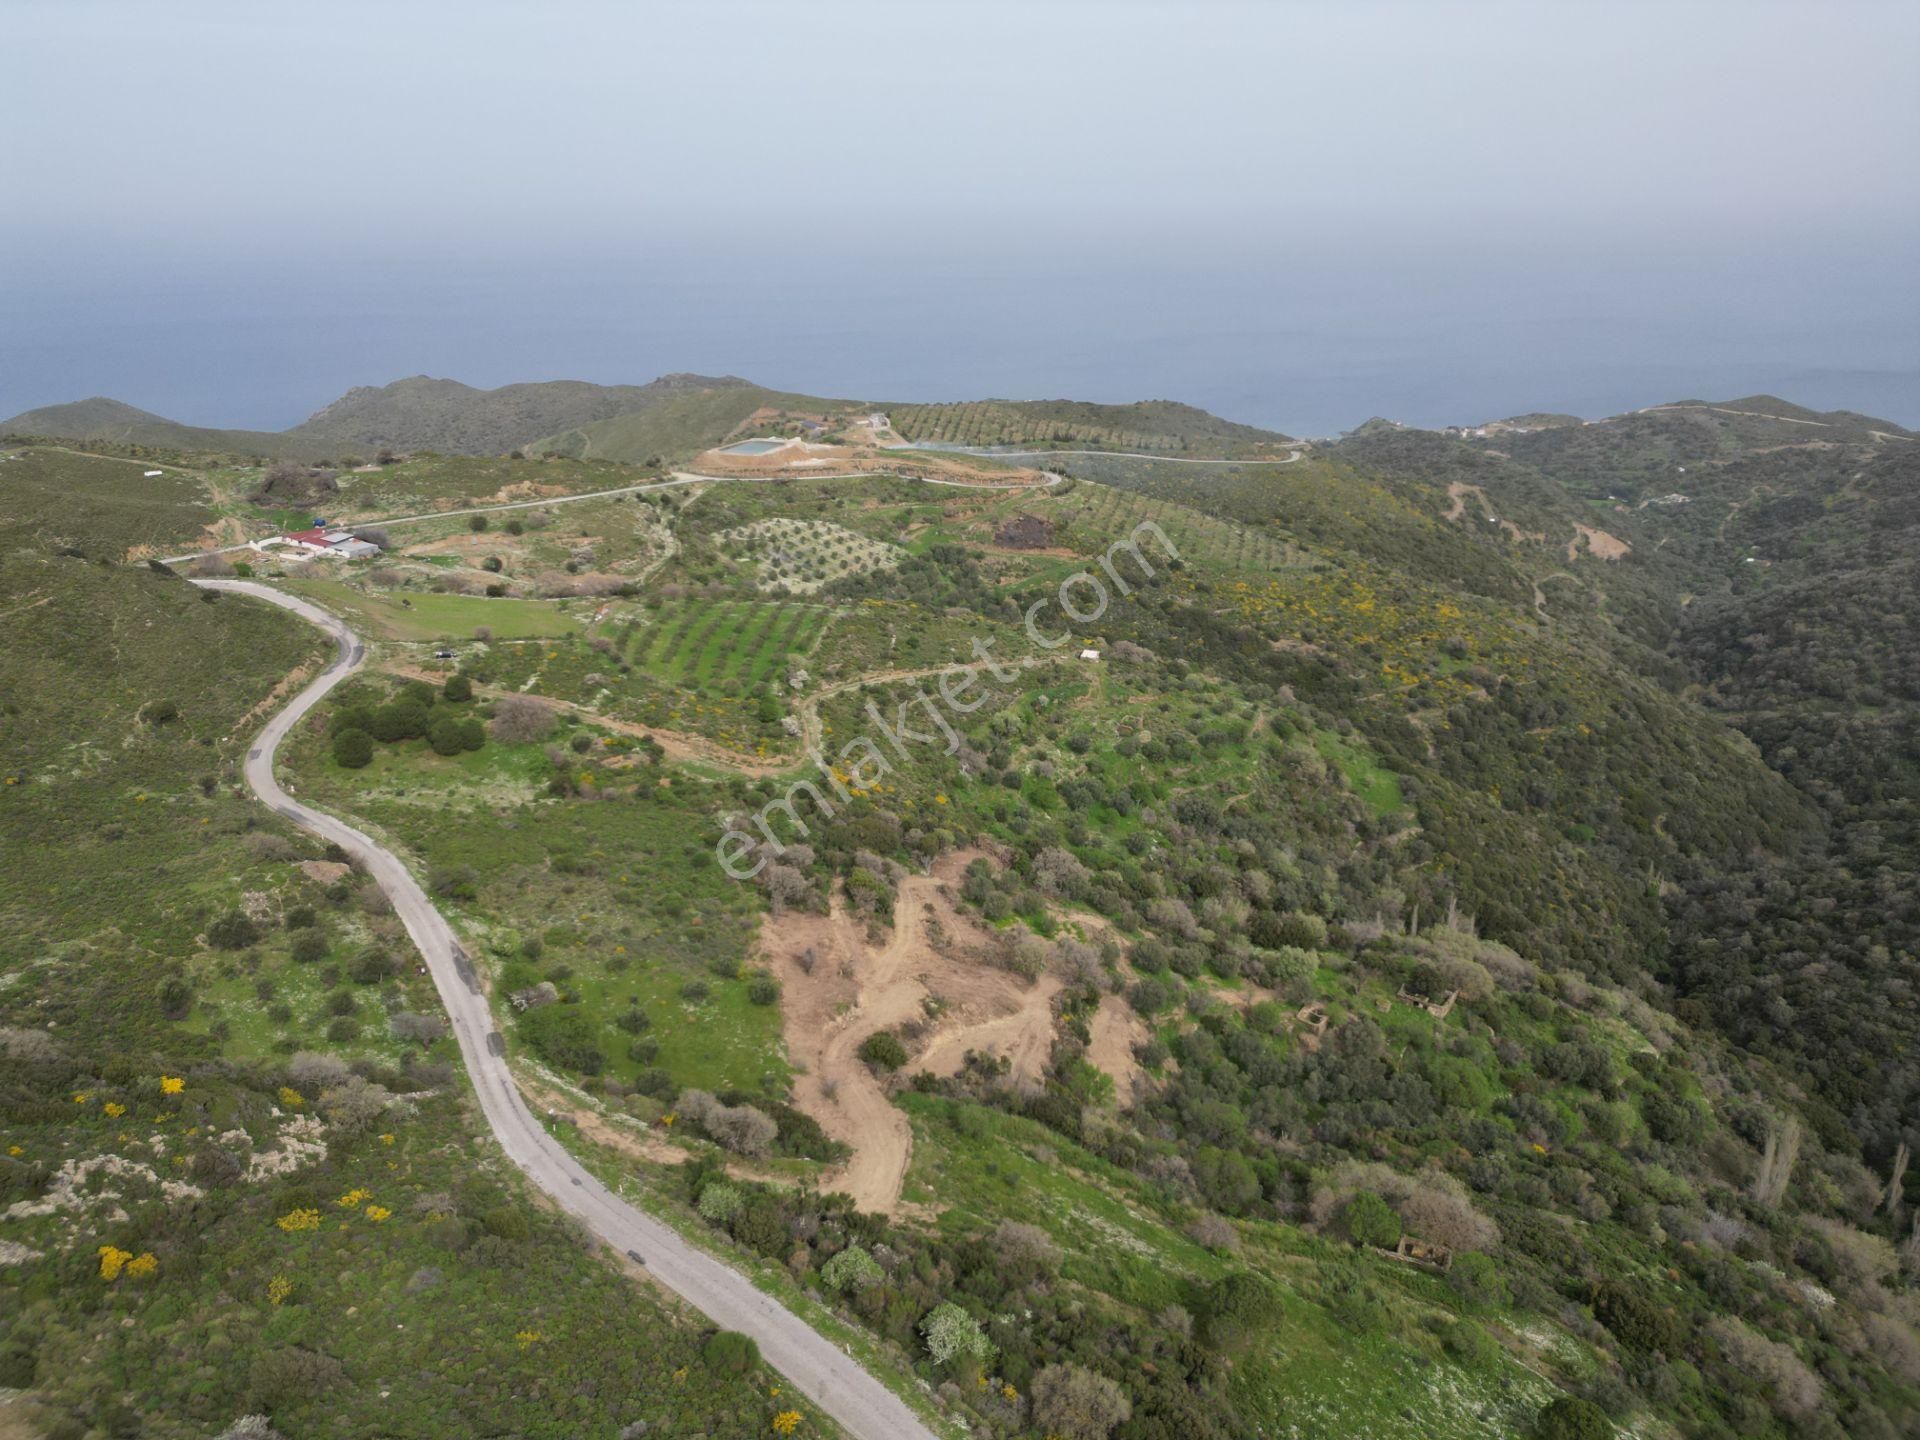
[(291, 1098), (377, 1213), (143, 1266), (353, 1199), (112, 1261), (172, 1084), (278, 1289), (786, 1422), (299, 1220), (527, 1339), (114, 1109)]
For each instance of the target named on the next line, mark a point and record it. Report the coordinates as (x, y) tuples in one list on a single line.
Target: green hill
[(423, 413), (111, 420), (674, 425)]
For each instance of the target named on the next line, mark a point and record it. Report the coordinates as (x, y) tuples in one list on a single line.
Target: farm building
[(338, 544)]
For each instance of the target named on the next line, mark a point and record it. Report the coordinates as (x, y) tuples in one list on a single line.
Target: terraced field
[(701, 642)]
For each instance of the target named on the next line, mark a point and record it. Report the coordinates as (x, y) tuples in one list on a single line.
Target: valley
[(1430, 954)]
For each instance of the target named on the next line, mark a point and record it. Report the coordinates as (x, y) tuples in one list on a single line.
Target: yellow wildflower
[(278, 1289), (291, 1098), (299, 1220), (15, 1150), (386, 1139), (377, 1213), (114, 1109), (786, 1422), (143, 1266), (172, 1084), (527, 1339), (81, 1097), (112, 1261), (353, 1199)]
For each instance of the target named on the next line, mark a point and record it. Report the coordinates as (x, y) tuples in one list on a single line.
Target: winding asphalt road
[(864, 1408)]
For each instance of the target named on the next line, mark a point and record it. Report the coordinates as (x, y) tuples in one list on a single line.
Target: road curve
[(862, 1406)]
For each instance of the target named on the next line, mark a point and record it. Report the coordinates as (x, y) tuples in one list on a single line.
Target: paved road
[(864, 1407)]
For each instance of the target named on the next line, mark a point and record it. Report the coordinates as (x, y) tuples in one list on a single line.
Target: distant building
[(336, 544)]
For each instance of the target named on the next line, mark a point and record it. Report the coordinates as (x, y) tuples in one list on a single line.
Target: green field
[(693, 643), (438, 617)]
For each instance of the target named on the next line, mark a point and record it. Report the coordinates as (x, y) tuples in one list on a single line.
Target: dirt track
[(856, 989), (1116, 1030)]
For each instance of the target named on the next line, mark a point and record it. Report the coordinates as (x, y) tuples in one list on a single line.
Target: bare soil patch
[(935, 954), (1116, 1030), (1599, 542)]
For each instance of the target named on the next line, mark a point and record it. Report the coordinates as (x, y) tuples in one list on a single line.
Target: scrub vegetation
[(1439, 967)]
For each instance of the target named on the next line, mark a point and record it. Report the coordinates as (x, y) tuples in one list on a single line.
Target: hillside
[(112, 421), (1148, 425), (675, 426), (1432, 955), (423, 413)]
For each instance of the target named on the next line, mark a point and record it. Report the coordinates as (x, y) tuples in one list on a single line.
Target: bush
[(371, 966), (458, 688), (447, 735), (478, 524), (1077, 1404), (1369, 1220), (1477, 1281), (507, 1222), (292, 1376), (1569, 1418), (951, 1333), (720, 1203), (454, 882), (310, 945), (563, 1036), (852, 1271), (731, 1352), (232, 931), (401, 720), (521, 720), (883, 1050), (1636, 1321), (1238, 1308), (1471, 1345), (763, 989), (353, 749)]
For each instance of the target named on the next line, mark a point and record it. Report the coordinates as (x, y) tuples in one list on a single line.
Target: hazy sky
[(1299, 213)]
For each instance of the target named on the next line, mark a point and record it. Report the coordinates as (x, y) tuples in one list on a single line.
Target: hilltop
[(671, 418), (100, 418), (423, 413)]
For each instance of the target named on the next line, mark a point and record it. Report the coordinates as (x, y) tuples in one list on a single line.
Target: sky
[(1298, 215)]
